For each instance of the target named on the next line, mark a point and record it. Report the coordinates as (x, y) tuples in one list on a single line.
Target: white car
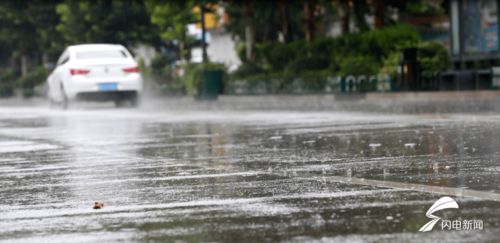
[(99, 72)]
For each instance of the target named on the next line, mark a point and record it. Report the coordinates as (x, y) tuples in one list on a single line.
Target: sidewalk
[(400, 102)]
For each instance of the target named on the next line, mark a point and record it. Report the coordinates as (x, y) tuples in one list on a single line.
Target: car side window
[(63, 59), (124, 53)]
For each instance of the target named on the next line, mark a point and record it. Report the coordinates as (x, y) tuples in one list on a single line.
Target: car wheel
[(119, 102), (134, 101), (52, 103), (65, 103), (65, 100)]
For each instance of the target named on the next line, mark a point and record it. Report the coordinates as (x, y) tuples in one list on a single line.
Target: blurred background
[(262, 47)]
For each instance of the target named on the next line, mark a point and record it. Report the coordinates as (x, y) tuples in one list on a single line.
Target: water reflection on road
[(242, 175)]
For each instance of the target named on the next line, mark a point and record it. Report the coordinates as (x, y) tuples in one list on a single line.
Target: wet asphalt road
[(244, 176)]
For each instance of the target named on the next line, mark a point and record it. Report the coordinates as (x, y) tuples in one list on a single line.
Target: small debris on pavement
[(98, 205)]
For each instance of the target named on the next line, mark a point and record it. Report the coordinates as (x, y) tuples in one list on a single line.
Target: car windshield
[(101, 54)]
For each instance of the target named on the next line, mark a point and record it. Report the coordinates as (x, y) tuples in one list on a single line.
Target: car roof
[(93, 47)]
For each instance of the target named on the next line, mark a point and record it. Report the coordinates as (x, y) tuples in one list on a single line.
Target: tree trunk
[(249, 33), (283, 7), (24, 65), (345, 16), (359, 13), (182, 48), (378, 5), (203, 33), (45, 59), (309, 19)]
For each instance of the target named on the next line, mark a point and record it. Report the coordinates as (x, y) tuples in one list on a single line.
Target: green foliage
[(171, 17), (390, 64), (246, 70), (299, 47), (7, 81), (433, 58), (277, 55), (163, 72), (376, 43), (27, 31), (28, 82), (296, 67), (314, 81), (159, 63), (423, 8), (321, 47), (105, 21), (284, 82), (306, 63), (241, 51), (360, 53), (14, 16), (10, 80), (358, 65), (267, 19)]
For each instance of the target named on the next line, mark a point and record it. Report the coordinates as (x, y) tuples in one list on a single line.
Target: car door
[(55, 79)]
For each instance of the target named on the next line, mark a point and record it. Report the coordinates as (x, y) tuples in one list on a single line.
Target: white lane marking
[(457, 192), (24, 146), (8, 213), (128, 180)]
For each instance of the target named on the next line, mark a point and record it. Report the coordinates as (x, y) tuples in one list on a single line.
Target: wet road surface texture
[(238, 176)]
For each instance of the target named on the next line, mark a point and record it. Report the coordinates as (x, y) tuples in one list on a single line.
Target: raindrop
[(435, 167), (386, 172), (349, 172), (410, 145)]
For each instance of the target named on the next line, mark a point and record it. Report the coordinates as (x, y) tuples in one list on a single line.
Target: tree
[(249, 32), (106, 21), (26, 31), (361, 8), (309, 19), (257, 22), (284, 15), (379, 12), (171, 18), (345, 18)]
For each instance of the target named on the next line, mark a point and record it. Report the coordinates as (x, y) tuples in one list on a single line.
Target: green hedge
[(11, 79), (323, 53), (7, 82), (283, 82), (366, 53), (28, 82)]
